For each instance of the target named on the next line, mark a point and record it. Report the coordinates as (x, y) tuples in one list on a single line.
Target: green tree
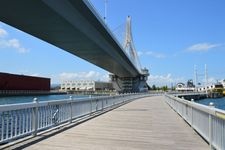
[(165, 88), (153, 87)]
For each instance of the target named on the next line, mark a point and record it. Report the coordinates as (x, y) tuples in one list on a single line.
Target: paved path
[(147, 123)]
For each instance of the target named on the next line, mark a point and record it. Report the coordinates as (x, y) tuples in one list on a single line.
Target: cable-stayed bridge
[(76, 27)]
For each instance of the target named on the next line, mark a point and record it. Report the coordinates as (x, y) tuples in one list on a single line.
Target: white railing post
[(210, 126), (96, 105), (182, 108), (35, 117), (71, 109), (102, 104), (192, 100), (90, 104)]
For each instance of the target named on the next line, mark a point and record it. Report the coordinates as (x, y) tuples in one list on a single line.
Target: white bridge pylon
[(129, 45), (131, 84)]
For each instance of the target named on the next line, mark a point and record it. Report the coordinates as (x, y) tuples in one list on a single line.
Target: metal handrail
[(208, 121), (20, 120)]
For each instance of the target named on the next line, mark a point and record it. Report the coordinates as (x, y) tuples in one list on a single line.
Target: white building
[(85, 85), (223, 83), (181, 87), (211, 87)]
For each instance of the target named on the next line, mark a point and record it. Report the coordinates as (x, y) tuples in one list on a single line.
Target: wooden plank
[(147, 123)]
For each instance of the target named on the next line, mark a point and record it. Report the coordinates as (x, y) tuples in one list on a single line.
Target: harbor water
[(28, 99), (218, 102)]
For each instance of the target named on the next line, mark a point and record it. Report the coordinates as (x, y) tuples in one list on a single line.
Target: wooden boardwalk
[(147, 123)]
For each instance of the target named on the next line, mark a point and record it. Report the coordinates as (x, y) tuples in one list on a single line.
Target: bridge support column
[(130, 84)]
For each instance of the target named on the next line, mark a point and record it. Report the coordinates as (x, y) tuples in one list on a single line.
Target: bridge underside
[(74, 26), (71, 25)]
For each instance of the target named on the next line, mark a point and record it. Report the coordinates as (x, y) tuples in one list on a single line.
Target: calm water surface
[(218, 102), (27, 99)]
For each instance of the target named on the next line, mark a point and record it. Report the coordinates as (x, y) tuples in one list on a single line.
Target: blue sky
[(170, 36)]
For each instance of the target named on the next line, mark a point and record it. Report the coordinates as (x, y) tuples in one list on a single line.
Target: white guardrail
[(208, 121), (20, 120)]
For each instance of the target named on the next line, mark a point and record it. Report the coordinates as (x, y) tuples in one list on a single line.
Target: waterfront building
[(85, 85), (213, 90), (211, 87), (13, 84), (223, 83), (181, 87)]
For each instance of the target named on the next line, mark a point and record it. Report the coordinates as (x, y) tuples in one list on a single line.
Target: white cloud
[(140, 53), (3, 33), (11, 43), (15, 43), (151, 53), (202, 47), (35, 75), (210, 80), (156, 55), (161, 80), (91, 75)]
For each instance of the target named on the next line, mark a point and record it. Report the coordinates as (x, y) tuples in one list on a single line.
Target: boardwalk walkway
[(147, 123)]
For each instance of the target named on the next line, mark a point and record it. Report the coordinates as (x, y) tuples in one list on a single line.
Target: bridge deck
[(147, 123)]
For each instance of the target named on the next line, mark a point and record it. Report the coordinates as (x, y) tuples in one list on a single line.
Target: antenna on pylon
[(105, 14)]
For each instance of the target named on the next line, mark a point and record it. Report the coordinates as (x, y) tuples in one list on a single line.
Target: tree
[(165, 88), (153, 87)]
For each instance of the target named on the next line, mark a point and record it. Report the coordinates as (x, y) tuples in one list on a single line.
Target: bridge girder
[(72, 25)]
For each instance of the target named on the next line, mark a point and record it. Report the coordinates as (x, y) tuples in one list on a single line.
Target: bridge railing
[(208, 121), (20, 120)]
